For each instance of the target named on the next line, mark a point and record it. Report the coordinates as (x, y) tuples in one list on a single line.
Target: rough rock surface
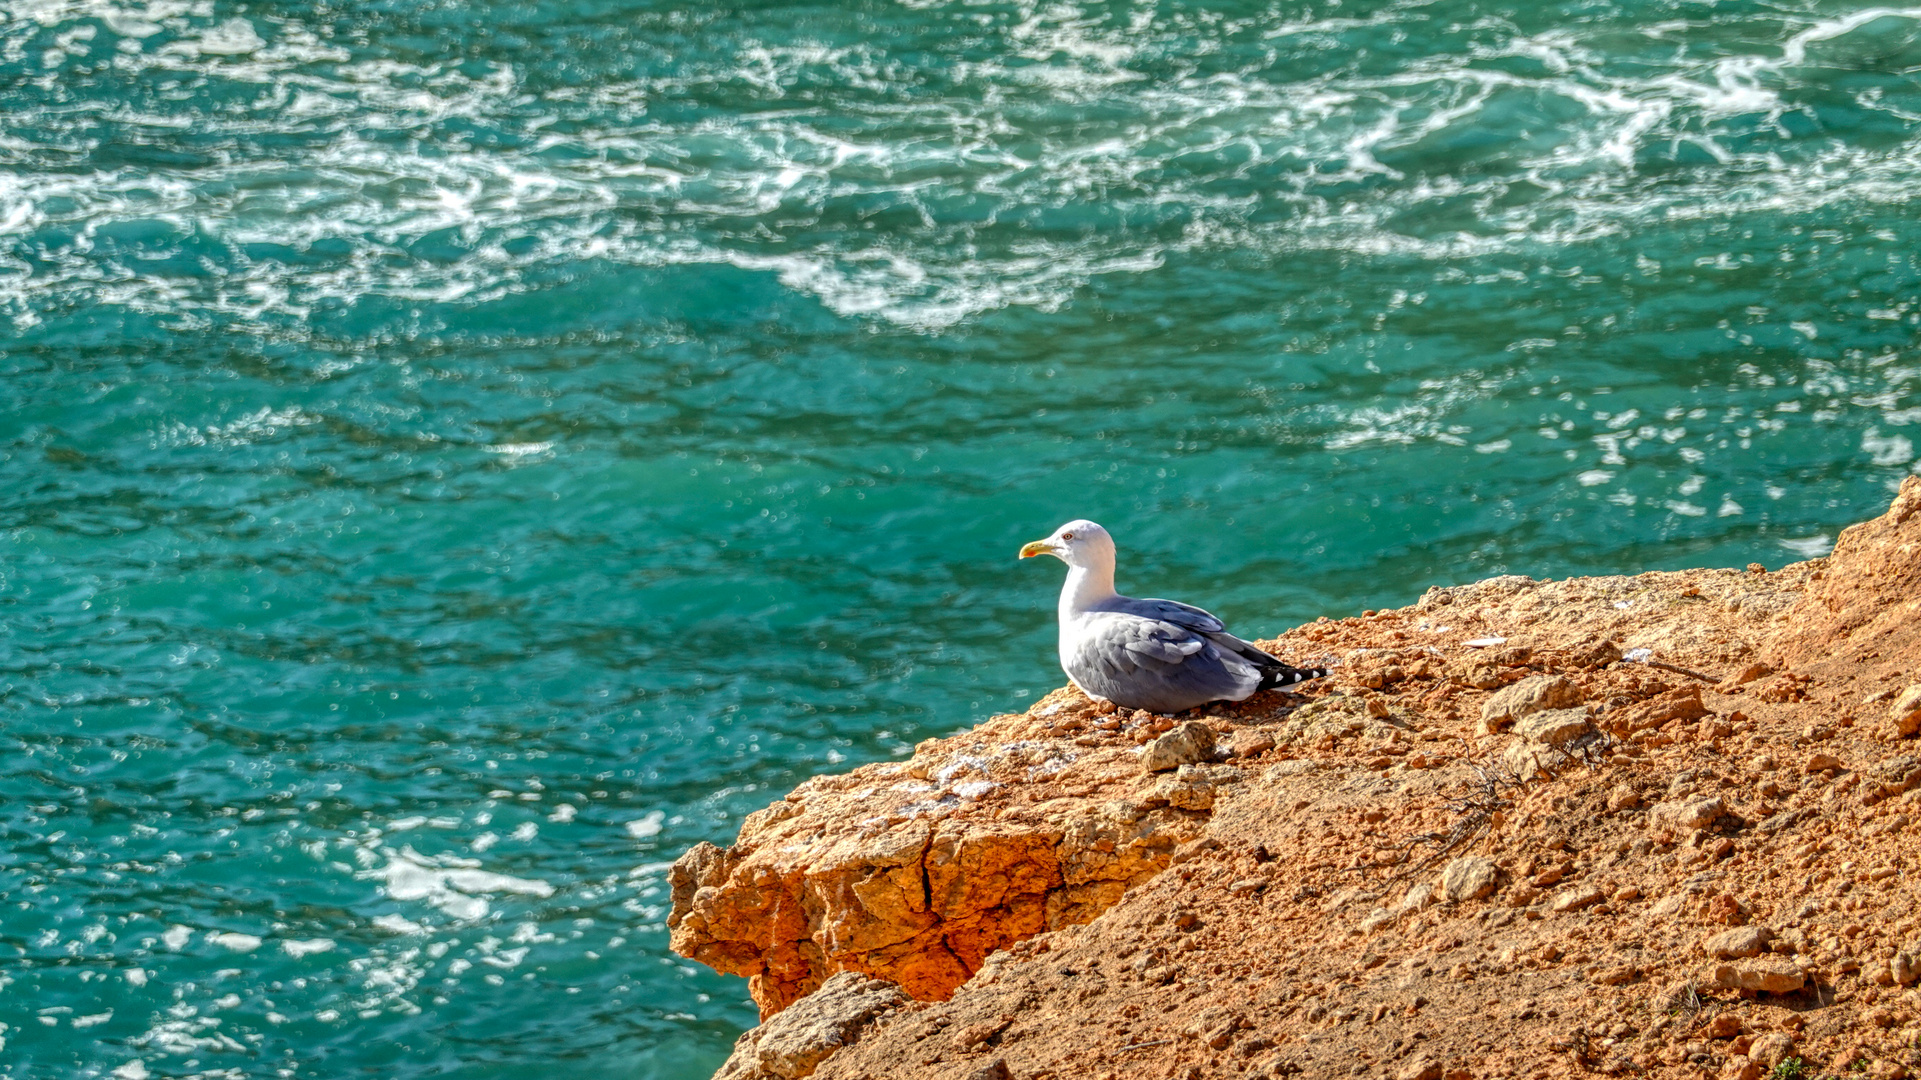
[(793, 1044), (1189, 744), (1470, 878), (1904, 718), (915, 872), (1056, 913), (1555, 727), (1530, 695)]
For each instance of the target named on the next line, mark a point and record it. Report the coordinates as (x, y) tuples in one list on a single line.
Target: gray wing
[(1201, 622), (1172, 611), (1157, 664)]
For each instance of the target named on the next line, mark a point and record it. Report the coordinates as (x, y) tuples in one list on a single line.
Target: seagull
[(1157, 655)]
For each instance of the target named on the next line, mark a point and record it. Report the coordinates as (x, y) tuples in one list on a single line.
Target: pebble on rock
[(1905, 966), (1770, 1049), (1761, 976), (1906, 713), (1470, 878), (1531, 695), (1249, 744), (1188, 744), (1623, 797), (1576, 899), (1685, 815), (1822, 763), (1738, 943), (1555, 727)]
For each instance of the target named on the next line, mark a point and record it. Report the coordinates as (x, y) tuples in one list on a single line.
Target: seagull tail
[(1284, 676)]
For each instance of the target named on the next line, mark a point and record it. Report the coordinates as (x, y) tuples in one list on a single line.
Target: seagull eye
[(1067, 536)]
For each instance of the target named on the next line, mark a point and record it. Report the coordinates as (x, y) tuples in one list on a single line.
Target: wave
[(1058, 147)]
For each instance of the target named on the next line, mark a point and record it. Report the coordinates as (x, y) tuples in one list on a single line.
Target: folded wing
[(1156, 664)]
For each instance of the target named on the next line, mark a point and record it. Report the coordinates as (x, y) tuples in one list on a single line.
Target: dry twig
[(1678, 670)]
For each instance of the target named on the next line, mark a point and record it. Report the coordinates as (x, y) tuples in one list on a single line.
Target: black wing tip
[(1289, 676)]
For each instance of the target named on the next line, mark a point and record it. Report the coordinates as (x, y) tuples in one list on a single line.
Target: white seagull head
[(1080, 544)]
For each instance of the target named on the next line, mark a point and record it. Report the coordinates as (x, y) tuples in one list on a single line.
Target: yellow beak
[(1037, 547)]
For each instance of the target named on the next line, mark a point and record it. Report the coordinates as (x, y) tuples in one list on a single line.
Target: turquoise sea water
[(456, 456)]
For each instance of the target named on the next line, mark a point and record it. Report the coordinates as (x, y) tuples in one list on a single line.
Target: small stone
[(1623, 797), (1531, 695), (1822, 762), (1184, 790), (1771, 1049), (1905, 715), (1481, 676), (975, 1034), (1247, 886), (1745, 675), (1469, 878), (1529, 760), (993, 1070), (1194, 849), (1576, 899), (1740, 1067), (1346, 898), (1724, 1026), (1421, 1067), (1215, 1024), (1682, 705), (1739, 943), (1614, 976), (1685, 814), (1626, 893), (1593, 653), (1252, 743), (1189, 744), (1554, 727), (1761, 976), (1905, 967), (1764, 763)]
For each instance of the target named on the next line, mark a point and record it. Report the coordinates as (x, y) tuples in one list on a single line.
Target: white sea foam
[(455, 886), (376, 197), (646, 826), (1811, 547), (398, 924)]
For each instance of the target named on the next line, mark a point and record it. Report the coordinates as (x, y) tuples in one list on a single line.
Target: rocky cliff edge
[(1659, 825)]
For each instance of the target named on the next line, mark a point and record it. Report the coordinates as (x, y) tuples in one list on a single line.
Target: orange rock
[(876, 872), (1058, 913)]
